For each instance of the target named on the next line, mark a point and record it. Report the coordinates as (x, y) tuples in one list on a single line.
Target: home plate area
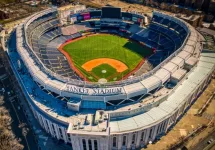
[(105, 69), (104, 72)]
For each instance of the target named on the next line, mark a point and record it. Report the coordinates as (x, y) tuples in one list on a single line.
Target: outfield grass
[(106, 46)]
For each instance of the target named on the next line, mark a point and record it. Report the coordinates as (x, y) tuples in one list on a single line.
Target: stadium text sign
[(94, 91)]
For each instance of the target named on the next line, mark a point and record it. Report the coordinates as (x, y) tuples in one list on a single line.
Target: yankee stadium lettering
[(107, 91), (94, 91), (78, 90)]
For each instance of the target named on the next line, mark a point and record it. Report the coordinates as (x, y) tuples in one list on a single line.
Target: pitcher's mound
[(104, 71)]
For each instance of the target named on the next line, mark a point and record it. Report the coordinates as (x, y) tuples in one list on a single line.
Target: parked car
[(210, 141)]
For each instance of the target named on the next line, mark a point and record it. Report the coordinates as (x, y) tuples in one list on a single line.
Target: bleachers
[(163, 34), (134, 28), (163, 44), (170, 24), (69, 30), (53, 58), (76, 35), (40, 21), (45, 37)]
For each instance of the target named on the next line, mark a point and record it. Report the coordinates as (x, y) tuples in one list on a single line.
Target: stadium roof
[(163, 74), (151, 83), (135, 88), (173, 102), (206, 31), (188, 49), (179, 74), (178, 61)]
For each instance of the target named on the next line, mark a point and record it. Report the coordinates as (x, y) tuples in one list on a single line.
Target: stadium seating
[(45, 37), (163, 34), (163, 44), (134, 28), (53, 58), (73, 29)]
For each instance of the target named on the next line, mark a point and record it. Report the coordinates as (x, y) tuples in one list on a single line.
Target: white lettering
[(94, 91)]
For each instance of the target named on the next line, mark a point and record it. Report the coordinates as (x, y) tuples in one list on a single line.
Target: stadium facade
[(127, 114)]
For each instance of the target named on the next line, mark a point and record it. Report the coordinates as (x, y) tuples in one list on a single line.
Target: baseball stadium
[(104, 79)]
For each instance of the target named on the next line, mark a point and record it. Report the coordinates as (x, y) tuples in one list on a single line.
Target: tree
[(8, 141)]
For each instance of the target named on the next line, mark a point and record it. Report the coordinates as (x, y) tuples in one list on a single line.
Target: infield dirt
[(118, 65)]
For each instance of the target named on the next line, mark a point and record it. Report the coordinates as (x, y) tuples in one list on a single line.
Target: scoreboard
[(111, 12)]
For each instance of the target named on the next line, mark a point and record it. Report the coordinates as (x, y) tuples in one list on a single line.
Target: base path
[(118, 65)]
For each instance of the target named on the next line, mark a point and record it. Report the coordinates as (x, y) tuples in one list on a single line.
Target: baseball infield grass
[(104, 71), (106, 46)]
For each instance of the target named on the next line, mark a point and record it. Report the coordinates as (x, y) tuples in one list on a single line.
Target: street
[(19, 124), (202, 144)]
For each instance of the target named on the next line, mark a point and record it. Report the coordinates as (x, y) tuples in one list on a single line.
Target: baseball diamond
[(120, 53)]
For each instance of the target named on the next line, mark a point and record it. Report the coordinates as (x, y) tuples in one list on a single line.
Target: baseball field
[(105, 56)]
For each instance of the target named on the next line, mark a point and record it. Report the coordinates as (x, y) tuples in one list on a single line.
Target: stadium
[(103, 79)]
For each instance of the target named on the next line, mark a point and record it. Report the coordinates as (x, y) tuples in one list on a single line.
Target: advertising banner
[(86, 16)]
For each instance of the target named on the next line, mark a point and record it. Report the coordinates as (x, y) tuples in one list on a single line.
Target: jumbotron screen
[(111, 12)]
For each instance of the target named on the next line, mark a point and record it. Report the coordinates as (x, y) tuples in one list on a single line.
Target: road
[(202, 144), (19, 125)]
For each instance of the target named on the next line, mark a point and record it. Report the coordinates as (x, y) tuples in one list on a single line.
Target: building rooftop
[(179, 74)]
